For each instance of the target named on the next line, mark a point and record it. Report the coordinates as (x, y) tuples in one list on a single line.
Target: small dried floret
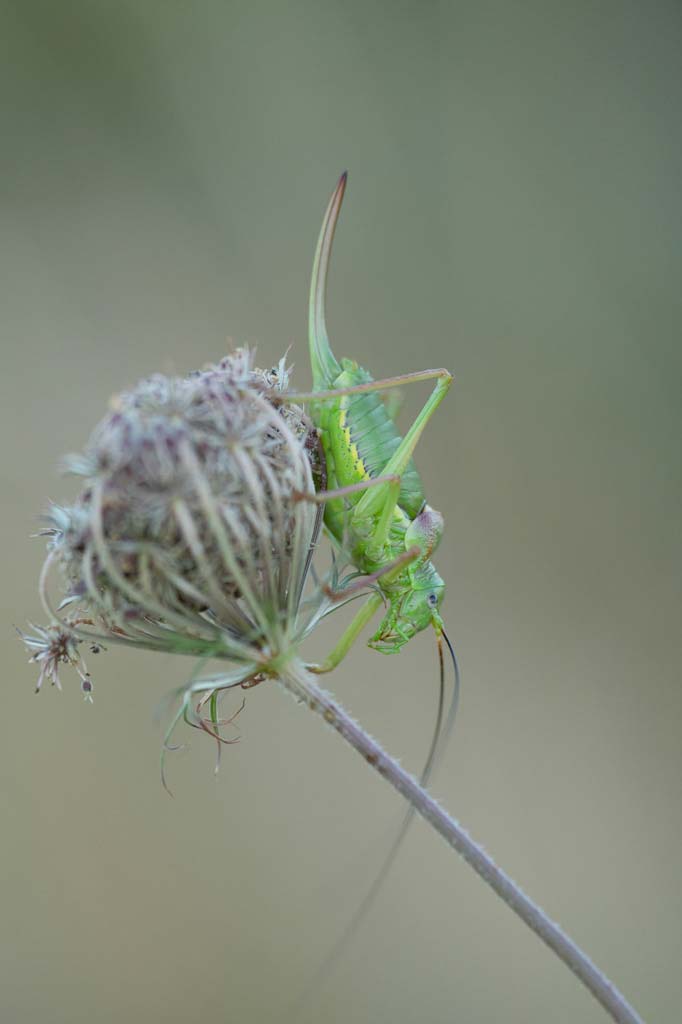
[(56, 645)]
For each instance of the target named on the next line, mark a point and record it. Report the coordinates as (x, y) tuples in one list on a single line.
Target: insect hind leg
[(322, 497), (385, 384), (371, 504)]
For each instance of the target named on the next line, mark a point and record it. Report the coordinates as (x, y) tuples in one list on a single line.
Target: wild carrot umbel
[(189, 535), (193, 534)]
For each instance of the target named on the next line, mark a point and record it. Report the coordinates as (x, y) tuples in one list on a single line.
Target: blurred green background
[(513, 213)]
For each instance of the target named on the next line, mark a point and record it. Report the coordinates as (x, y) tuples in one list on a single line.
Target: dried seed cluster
[(189, 533)]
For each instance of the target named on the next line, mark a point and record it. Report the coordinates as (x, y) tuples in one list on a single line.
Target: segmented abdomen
[(360, 437)]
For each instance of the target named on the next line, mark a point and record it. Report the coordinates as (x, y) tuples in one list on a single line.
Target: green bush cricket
[(375, 510), (374, 507)]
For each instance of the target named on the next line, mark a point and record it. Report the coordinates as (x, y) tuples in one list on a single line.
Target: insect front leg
[(373, 603), (350, 635)]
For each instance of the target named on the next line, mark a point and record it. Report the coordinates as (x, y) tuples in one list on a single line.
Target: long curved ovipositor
[(324, 366)]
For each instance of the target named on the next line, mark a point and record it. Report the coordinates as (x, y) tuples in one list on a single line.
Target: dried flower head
[(188, 535), (53, 646)]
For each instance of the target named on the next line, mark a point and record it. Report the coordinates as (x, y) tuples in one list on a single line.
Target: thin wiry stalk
[(299, 682)]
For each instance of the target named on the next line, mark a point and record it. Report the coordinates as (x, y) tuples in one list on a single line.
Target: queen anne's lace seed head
[(189, 534)]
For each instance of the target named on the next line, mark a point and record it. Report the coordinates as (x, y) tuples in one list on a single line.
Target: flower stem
[(301, 684)]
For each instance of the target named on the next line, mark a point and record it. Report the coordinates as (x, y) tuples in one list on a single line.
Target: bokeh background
[(513, 213)]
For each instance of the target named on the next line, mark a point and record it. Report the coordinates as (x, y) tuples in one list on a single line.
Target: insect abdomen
[(364, 440)]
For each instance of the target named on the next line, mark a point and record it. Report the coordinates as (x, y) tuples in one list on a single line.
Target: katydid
[(375, 510), (374, 505)]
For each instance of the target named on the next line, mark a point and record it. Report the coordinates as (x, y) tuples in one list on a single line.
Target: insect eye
[(432, 599)]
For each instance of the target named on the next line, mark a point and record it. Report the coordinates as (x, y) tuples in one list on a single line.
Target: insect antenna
[(442, 731), (454, 701)]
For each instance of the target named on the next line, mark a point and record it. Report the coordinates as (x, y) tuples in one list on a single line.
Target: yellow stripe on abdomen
[(354, 456)]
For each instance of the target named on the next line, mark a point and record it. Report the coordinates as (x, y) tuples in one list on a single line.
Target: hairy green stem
[(301, 684)]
